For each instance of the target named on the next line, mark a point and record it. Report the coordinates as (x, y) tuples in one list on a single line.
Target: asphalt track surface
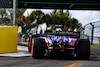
[(94, 61)]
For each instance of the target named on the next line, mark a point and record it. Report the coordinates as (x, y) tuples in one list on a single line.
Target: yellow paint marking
[(73, 65)]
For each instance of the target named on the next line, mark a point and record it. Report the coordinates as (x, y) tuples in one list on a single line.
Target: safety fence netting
[(92, 32)]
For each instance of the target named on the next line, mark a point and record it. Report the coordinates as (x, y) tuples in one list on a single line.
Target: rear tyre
[(38, 48), (83, 49)]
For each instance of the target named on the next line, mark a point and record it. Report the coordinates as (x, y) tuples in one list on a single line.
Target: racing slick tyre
[(38, 48), (29, 48), (83, 49), (29, 45)]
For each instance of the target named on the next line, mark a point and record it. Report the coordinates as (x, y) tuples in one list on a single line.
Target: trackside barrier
[(91, 31), (8, 39)]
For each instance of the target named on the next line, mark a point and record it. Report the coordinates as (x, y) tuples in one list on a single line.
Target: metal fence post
[(15, 3), (84, 32), (92, 33)]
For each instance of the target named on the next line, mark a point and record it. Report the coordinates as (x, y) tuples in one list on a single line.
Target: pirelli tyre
[(83, 49), (38, 48), (29, 45)]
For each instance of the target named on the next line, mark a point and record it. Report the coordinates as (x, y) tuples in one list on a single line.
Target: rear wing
[(71, 34), (63, 33)]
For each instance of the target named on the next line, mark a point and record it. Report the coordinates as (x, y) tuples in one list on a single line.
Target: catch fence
[(6, 12), (91, 31)]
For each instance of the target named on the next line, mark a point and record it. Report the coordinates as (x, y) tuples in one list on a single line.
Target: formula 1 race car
[(59, 43)]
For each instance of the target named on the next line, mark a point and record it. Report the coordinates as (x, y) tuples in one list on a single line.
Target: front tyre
[(29, 44)]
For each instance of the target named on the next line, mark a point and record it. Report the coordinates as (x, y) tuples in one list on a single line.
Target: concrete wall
[(8, 39)]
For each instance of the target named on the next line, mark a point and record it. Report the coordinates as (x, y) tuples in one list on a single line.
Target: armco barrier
[(8, 39)]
